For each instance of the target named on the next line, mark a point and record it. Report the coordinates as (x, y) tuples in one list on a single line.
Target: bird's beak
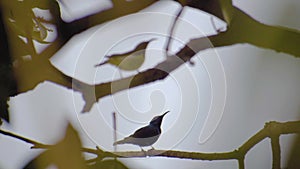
[(165, 113), (152, 39)]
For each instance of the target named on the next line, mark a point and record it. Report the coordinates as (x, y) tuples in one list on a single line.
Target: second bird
[(131, 60)]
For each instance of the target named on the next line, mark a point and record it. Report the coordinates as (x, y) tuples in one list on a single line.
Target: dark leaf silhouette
[(65, 154), (8, 83)]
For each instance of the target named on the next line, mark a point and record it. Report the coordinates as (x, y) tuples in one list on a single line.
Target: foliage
[(22, 68), (65, 154)]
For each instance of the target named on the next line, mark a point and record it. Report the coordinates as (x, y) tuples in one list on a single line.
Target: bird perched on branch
[(131, 60), (145, 136)]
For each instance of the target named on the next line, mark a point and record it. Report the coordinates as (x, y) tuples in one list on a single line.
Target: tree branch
[(239, 154), (64, 33), (243, 29), (35, 143), (92, 93), (270, 130), (67, 30)]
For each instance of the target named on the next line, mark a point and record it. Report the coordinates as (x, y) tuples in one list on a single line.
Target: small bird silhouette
[(145, 136), (131, 60)]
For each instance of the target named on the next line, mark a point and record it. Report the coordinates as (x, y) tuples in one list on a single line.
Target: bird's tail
[(100, 64), (124, 141)]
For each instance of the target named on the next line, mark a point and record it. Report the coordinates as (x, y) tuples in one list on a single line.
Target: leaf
[(4, 110), (19, 46), (23, 22), (8, 82), (8, 87), (65, 154), (40, 31)]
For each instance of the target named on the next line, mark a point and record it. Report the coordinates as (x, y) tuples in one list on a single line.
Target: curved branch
[(243, 29), (91, 93), (270, 130), (13, 135)]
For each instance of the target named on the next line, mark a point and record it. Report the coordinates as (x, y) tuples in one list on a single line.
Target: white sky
[(257, 85)]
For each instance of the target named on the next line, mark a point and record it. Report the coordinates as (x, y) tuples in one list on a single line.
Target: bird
[(131, 60), (145, 136)]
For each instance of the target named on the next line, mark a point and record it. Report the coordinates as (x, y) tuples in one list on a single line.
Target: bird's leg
[(191, 63), (152, 148), (145, 153), (121, 76), (142, 149)]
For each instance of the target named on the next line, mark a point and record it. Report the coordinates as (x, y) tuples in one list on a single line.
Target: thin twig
[(115, 129), (115, 135), (172, 30), (92, 160), (13, 135), (241, 162), (30, 43), (275, 152)]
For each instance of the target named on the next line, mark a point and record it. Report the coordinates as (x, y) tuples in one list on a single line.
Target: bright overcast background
[(215, 105)]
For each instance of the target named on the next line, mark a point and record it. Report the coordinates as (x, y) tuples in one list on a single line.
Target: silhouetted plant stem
[(172, 30), (243, 29), (241, 162), (271, 130), (18, 137), (275, 151)]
